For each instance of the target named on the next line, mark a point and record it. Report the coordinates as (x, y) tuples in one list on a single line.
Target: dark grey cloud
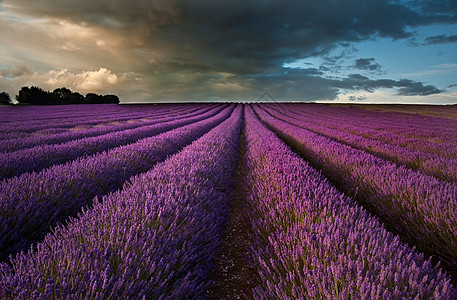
[(357, 98), (405, 87), (304, 85), (442, 10), (368, 64), (412, 88), (308, 72), (174, 44), (237, 36), (295, 85), (440, 39)]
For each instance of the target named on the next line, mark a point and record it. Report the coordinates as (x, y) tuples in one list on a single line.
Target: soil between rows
[(233, 277)]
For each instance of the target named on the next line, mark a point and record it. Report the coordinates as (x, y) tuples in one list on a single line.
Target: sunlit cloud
[(85, 81), (102, 80)]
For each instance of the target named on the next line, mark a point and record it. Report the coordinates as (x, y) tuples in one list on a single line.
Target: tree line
[(37, 96)]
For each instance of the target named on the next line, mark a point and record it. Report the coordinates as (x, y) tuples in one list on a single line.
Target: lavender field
[(235, 201)]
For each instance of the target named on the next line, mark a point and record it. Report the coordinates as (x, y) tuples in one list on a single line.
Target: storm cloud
[(406, 87), (367, 64), (209, 50), (440, 39)]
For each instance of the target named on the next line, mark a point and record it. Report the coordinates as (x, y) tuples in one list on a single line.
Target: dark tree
[(5, 98), (76, 98), (92, 98), (111, 99), (62, 94), (66, 96), (35, 95)]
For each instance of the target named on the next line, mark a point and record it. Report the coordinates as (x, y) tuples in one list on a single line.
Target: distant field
[(445, 111), (324, 201)]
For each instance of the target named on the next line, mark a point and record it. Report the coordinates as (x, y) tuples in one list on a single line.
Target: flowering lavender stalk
[(312, 242), (33, 118), (50, 115), (28, 126), (153, 239), (116, 124), (40, 157), (49, 112), (405, 124), (33, 203), (422, 209), (405, 130), (426, 163)]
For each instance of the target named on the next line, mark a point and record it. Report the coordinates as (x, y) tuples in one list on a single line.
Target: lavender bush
[(312, 242), (153, 239), (433, 164), (33, 203), (40, 157), (422, 209), (116, 123)]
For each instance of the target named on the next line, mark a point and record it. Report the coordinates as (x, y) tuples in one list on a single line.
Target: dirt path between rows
[(233, 277)]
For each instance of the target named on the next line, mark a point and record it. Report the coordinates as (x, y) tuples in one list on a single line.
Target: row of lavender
[(420, 208), (80, 130), (26, 120), (312, 242), (412, 129), (416, 139), (404, 123), (23, 127), (406, 130), (155, 238), (12, 115), (34, 202), (115, 247), (44, 156), (433, 164)]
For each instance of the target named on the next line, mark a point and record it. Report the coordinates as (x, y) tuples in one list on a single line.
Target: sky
[(371, 51)]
